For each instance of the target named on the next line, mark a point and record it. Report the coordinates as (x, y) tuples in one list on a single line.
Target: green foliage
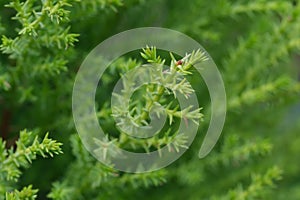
[(258, 187), (256, 47), (25, 193), (98, 5), (86, 176), (172, 82), (28, 147)]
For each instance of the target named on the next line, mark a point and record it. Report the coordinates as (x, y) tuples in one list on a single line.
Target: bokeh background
[(256, 46)]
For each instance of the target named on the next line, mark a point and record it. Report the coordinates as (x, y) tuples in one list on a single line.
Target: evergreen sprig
[(255, 45), (171, 81), (26, 193), (28, 147)]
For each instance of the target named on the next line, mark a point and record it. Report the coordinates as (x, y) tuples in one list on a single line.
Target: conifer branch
[(28, 147)]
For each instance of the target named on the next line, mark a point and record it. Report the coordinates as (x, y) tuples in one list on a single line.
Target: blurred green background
[(256, 46)]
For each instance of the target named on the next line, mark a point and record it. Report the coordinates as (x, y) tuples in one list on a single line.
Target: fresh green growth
[(28, 147), (256, 47), (157, 98)]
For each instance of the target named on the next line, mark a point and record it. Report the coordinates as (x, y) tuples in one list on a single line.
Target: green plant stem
[(149, 104)]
